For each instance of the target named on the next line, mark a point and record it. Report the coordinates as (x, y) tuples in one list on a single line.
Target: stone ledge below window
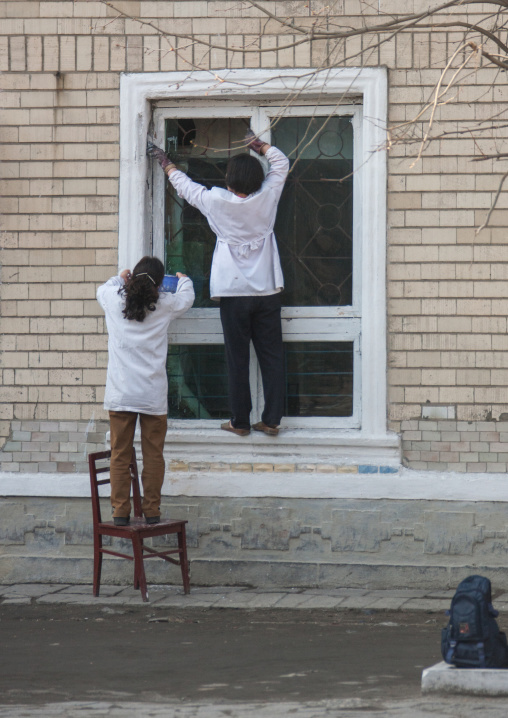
[(298, 446)]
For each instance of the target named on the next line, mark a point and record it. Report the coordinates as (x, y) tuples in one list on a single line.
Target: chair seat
[(138, 527), (139, 524)]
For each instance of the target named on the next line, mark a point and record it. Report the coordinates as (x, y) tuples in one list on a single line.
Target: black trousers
[(256, 318)]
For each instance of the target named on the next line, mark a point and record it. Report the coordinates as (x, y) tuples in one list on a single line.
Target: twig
[(493, 205)]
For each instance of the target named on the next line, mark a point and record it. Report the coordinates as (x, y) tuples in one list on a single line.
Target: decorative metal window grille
[(314, 227), (315, 235)]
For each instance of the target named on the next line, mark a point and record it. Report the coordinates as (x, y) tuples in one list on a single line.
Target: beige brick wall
[(61, 63)]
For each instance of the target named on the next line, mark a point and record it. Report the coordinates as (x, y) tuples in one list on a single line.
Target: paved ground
[(230, 597), (456, 707), (266, 654)]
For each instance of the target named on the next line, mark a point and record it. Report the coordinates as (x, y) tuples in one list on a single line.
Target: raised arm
[(279, 163), (110, 287), (279, 168), (194, 193), (183, 298)]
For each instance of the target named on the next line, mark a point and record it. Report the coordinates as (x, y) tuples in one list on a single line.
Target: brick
[(409, 425), (78, 394), (481, 446), (449, 456), (61, 377), (83, 53), (45, 359), (487, 456), (13, 394), (474, 377), (496, 467), (67, 308), (498, 446), (79, 222), (438, 377), (94, 377)]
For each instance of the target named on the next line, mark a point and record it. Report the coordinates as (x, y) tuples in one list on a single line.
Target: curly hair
[(142, 288)]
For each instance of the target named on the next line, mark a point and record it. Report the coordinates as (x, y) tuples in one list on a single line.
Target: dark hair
[(142, 288), (244, 174)]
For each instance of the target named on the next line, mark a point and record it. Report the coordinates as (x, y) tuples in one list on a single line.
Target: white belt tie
[(244, 248)]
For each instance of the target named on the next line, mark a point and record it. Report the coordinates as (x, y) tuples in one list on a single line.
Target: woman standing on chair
[(137, 317), (246, 274)]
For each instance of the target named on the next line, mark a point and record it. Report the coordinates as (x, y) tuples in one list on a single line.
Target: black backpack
[(472, 638)]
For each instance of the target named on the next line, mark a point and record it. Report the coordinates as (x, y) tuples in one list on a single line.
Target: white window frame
[(139, 93), (202, 325)]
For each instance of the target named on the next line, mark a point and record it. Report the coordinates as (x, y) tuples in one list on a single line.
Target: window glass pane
[(201, 148), (314, 227), (197, 382), (314, 233), (319, 378)]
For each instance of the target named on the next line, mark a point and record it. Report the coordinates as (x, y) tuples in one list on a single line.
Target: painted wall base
[(261, 574), (274, 542)]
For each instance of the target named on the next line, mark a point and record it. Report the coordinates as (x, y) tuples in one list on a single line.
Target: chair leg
[(136, 575), (139, 568), (184, 564), (97, 564)]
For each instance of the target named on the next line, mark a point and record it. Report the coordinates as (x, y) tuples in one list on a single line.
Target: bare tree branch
[(493, 205), (483, 38), (291, 25), (491, 58)]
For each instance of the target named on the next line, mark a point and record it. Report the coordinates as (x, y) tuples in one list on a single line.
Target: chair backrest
[(95, 481)]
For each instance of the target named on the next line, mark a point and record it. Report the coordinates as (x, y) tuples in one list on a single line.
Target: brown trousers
[(153, 434)]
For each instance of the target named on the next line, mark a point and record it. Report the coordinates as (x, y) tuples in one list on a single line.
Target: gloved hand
[(253, 143), (160, 155)]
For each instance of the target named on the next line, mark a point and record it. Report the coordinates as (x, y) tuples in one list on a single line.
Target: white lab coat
[(246, 260), (136, 378)]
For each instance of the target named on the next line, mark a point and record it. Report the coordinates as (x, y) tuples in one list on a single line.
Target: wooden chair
[(136, 531)]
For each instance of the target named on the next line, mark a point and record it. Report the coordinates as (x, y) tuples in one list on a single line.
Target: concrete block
[(236, 599), (445, 679), (293, 600), (322, 602), (388, 603), (265, 600), (85, 589), (89, 599), (182, 601), (30, 590), (356, 602), (426, 604)]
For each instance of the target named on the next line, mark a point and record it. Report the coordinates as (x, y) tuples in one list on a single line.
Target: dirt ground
[(73, 653)]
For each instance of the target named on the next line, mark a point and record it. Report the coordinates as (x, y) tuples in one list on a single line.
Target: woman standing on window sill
[(246, 274)]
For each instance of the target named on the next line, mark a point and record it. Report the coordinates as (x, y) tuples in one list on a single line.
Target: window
[(319, 250), (335, 306)]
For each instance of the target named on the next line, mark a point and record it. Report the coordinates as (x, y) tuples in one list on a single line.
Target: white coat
[(136, 377), (246, 260)]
